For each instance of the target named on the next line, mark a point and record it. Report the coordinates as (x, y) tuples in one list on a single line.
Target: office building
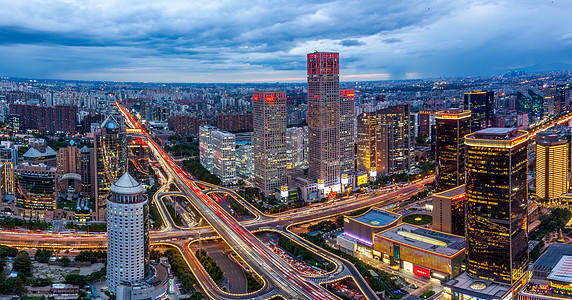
[(244, 161), (552, 166), (359, 230), (496, 164), (205, 146), (395, 142), (36, 195), (41, 155), (138, 159), (68, 160), (269, 141), (426, 119), (452, 126), (296, 153), (85, 157), (324, 118), (481, 105), (449, 211), (366, 142), (127, 233), (9, 161), (224, 156), (110, 146), (347, 132)]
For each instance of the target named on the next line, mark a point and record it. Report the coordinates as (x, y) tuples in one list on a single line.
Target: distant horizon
[(233, 41), (301, 81)]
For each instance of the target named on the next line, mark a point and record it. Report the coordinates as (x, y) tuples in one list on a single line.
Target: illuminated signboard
[(421, 272), (518, 141), (362, 179)]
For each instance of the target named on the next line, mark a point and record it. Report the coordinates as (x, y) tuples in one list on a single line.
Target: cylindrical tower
[(127, 232)]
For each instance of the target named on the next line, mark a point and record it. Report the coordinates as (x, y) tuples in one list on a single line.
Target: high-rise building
[(295, 150), (452, 126), (205, 146), (127, 233), (224, 156), (85, 157), (110, 146), (269, 140), (552, 166), (184, 124), (138, 159), (347, 132), (68, 160), (36, 195), (234, 122), (449, 211), (426, 118), (395, 145), (497, 193), (244, 161), (9, 161), (366, 142), (481, 105), (324, 118), (46, 119), (46, 156)]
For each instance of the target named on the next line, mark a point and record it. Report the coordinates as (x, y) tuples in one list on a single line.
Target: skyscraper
[(324, 118), (110, 146), (366, 142), (9, 161), (224, 156), (452, 126), (205, 146), (295, 150), (395, 145), (269, 140), (127, 233), (85, 157), (36, 195), (552, 166), (347, 132), (481, 105), (497, 191)]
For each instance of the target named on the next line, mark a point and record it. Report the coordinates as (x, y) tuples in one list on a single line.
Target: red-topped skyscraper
[(324, 118)]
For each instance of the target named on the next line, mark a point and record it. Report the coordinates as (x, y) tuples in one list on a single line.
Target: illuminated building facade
[(85, 166), (347, 132), (224, 156), (244, 162), (395, 145), (8, 160), (449, 211), (324, 118), (481, 105), (366, 139), (110, 146), (497, 193), (269, 141), (426, 119), (295, 148), (36, 194), (452, 126), (138, 159), (205, 146), (552, 167), (127, 232)]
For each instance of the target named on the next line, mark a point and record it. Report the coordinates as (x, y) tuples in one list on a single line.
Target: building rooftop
[(425, 239), (35, 153), (552, 255), (481, 288), (126, 185), (376, 217), (456, 191), (563, 270), (84, 149)]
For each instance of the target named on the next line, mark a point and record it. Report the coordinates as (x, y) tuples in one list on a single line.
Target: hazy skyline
[(250, 41)]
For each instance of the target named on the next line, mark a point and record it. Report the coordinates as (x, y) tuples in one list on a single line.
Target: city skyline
[(230, 42)]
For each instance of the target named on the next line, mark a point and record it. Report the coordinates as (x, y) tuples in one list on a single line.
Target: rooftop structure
[(563, 270)]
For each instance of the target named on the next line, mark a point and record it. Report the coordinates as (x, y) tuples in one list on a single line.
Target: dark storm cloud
[(174, 40)]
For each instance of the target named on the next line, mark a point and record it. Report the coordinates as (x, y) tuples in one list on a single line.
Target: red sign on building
[(421, 272)]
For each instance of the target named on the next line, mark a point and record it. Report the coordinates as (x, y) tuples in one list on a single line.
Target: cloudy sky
[(242, 41)]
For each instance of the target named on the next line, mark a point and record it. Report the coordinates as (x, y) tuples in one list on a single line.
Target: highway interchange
[(280, 279)]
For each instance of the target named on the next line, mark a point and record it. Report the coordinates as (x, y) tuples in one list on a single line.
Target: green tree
[(23, 264)]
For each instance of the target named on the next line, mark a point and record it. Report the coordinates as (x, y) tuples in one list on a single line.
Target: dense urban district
[(450, 188)]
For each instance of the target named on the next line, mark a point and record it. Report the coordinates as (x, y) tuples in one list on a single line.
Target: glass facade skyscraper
[(481, 105), (452, 126), (496, 218)]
